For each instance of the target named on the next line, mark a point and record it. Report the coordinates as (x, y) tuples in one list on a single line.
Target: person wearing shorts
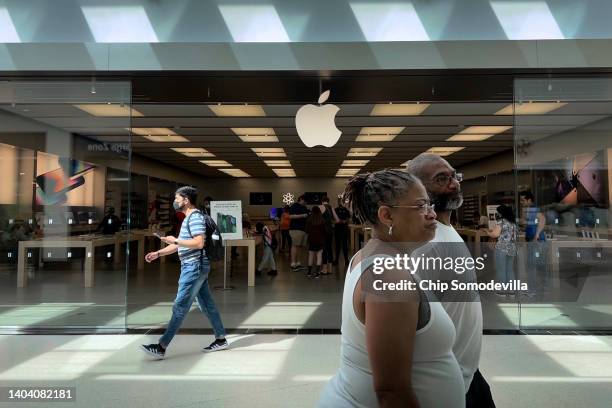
[(297, 230)]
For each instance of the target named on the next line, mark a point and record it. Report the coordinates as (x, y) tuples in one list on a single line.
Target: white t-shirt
[(466, 316)]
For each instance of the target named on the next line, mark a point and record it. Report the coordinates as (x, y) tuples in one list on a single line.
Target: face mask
[(176, 206)]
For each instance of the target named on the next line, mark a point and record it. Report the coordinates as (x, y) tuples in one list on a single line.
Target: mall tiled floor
[(284, 370), (55, 297)]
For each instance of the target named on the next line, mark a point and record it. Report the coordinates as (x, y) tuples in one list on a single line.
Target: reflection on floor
[(284, 370), (55, 297)]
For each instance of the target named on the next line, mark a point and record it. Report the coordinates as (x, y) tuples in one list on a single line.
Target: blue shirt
[(531, 215), (197, 226)]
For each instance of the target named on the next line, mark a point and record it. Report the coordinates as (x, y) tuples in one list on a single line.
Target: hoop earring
[(391, 229)]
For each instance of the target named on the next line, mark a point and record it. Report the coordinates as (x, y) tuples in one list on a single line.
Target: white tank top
[(436, 377)]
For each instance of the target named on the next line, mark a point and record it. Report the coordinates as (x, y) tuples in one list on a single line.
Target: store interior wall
[(240, 189)]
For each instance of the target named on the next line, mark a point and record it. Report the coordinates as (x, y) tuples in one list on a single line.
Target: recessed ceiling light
[(354, 163), (346, 172), (256, 135), (216, 163), (444, 151), (375, 138), (278, 163), (269, 151), (478, 133), (530, 108), (259, 139), (253, 131), (378, 133), (193, 151), (284, 172), (166, 139), (235, 172), (151, 131), (469, 138), (106, 110), (237, 110), (364, 151), (163, 135), (398, 109)]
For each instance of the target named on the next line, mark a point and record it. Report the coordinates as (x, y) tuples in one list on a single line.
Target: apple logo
[(315, 124)]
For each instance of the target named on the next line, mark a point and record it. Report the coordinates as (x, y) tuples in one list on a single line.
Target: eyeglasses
[(444, 179), (422, 208)]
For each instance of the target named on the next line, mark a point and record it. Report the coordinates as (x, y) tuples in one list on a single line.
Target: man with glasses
[(443, 186)]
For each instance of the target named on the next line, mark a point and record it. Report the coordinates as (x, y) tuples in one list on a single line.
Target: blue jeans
[(537, 271), (504, 265), (193, 284), (267, 259)]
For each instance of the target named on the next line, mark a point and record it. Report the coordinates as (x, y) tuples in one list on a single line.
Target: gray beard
[(455, 203), (447, 202)]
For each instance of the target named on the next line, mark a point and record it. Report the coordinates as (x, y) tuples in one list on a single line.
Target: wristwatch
[(176, 242)]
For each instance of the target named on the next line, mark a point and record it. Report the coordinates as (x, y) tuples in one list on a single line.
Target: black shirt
[(110, 224), (298, 223), (343, 213)]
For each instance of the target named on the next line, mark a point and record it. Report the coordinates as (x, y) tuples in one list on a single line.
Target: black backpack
[(214, 241)]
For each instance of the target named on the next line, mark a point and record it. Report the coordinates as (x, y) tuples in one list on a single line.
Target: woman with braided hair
[(396, 344)]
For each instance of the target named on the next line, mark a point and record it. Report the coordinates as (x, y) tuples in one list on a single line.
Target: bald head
[(440, 180), (425, 165)]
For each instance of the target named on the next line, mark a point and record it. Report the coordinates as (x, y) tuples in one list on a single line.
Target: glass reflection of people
[(534, 222), (443, 185), (395, 349), (110, 224), (341, 231), (506, 233)]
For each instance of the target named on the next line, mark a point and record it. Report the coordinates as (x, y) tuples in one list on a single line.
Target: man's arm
[(168, 250), (541, 225), (336, 218), (196, 242)]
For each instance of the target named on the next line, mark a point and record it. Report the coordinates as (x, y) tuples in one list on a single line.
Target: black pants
[(342, 238), (479, 394), (286, 238), (328, 256)]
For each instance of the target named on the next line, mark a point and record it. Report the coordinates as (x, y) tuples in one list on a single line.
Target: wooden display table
[(89, 243), (475, 236), (245, 242), (555, 245)]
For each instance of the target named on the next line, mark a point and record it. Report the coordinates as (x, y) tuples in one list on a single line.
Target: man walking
[(443, 186), (193, 281)]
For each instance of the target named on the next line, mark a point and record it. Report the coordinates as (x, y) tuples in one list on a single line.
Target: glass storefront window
[(64, 233), (563, 147)]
